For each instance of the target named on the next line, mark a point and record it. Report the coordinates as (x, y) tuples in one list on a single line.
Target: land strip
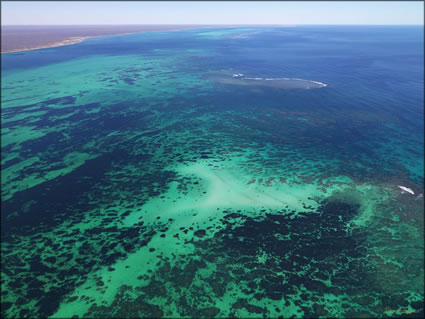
[(27, 37)]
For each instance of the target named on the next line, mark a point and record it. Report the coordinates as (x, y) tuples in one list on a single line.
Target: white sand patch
[(224, 188)]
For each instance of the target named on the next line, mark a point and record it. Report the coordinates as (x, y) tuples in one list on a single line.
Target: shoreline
[(75, 40), (68, 41)]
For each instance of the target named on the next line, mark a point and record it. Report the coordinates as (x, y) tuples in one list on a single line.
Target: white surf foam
[(406, 189), (321, 84)]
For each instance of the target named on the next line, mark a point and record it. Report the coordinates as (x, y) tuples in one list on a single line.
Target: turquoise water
[(141, 178)]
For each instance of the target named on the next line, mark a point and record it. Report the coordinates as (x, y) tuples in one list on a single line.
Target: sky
[(212, 12)]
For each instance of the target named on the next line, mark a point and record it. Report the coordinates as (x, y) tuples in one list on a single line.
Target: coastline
[(78, 39), (69, 41), (53, 45), (74, 40)]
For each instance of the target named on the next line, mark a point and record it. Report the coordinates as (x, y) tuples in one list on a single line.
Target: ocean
[(228, 172)]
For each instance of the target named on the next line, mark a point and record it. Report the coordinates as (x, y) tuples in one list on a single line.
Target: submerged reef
[(277, 83), (140, 178)]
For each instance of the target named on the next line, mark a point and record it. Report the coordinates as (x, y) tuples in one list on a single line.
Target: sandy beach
[(52, 45), (26, 38)]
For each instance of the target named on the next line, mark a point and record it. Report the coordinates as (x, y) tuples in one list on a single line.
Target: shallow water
[(136, 182)]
